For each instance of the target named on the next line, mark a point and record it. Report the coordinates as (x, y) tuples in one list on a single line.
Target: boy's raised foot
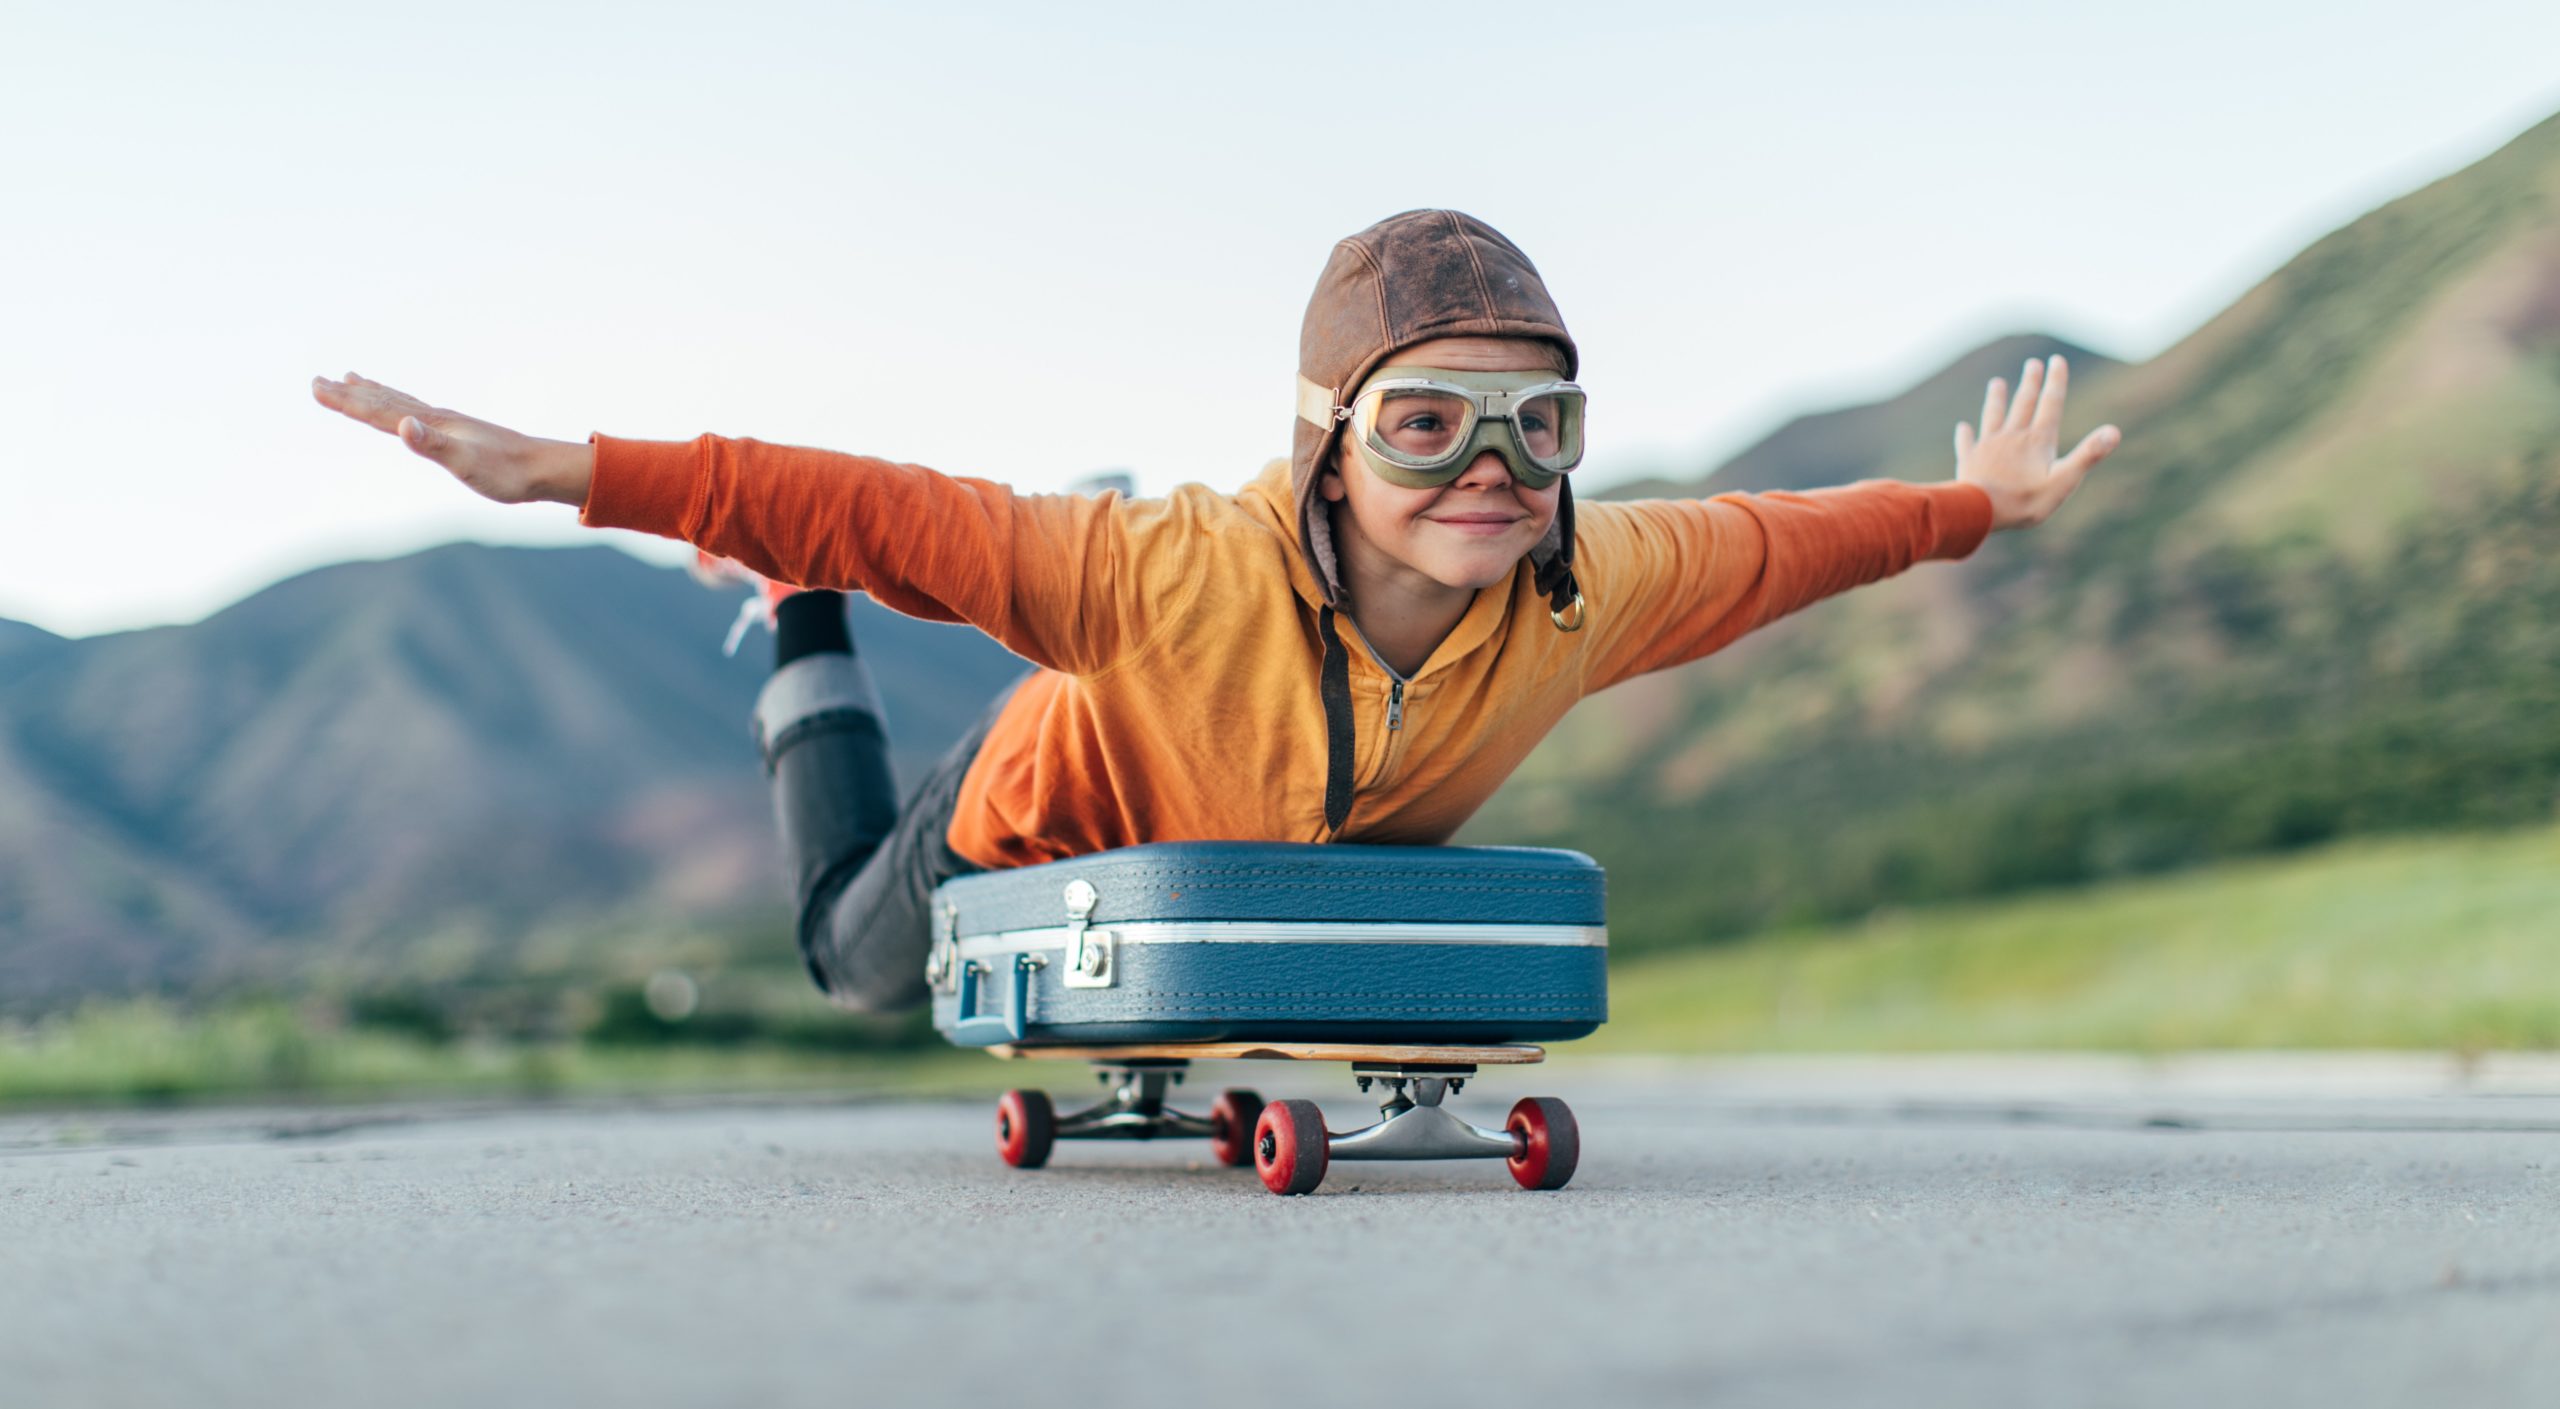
[(719, 573)]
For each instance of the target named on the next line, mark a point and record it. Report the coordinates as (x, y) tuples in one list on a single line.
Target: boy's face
[(1472, 531)]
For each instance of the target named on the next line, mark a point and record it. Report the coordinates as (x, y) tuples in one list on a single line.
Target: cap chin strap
[(1333, 684), (1553, 572)]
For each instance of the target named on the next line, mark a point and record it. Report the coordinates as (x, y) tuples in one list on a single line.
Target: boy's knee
[(878, 995), (865, 988), (815, 694), (858, 977)]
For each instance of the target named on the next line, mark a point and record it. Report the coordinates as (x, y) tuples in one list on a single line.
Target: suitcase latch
[(942, 962), (1090, 961)]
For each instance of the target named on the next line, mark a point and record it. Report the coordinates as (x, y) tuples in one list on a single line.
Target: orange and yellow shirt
[(1177, 699)]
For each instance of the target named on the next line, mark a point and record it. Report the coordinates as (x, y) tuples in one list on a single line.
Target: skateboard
[(1286, 1142)]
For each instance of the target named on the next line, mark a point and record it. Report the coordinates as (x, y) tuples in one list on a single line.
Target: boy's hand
[(497, 463), (2013, 461)]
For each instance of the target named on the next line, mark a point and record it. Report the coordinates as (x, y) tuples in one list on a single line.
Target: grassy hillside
[(2313, 597), (2441, 942)]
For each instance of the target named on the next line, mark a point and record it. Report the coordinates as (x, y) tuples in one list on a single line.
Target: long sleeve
[(1065, 581), (1670, 580)]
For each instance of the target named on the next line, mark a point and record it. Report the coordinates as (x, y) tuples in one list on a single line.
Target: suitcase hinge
[(1090, 960)]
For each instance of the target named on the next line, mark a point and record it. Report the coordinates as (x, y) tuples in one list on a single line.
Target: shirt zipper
[(1396, 680), (1396, 683)]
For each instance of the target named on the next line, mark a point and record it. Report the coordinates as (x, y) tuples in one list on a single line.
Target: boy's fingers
[(343, 397), (2030, 383), (371, 402), (1964, 439), (353, 402), (2057, 385), (1995, 405), (2074, 467), (2095, 446)]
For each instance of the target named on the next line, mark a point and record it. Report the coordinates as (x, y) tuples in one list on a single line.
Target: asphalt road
[(2031, 1234)]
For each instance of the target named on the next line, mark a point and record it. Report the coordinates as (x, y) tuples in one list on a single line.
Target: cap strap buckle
[(1317, 405)]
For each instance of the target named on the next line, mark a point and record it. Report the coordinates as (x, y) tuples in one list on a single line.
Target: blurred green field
[(149, 1052), (2447, 942), (554, 1041)]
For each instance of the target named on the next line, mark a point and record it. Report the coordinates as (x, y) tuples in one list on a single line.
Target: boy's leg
[(818, 726), (862, 874), (866, 941)]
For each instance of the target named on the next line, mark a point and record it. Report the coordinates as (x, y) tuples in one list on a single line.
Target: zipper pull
[(1395, 706)]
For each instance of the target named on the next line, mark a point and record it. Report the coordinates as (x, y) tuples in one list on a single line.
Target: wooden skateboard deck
[(1512, 1054)]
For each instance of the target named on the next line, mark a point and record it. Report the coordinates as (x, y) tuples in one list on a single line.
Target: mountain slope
[(22, 644), (1833, 447), (2313, 594), (445, 747)]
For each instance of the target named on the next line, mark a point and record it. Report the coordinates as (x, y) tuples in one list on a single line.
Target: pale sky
[(1029, 242)]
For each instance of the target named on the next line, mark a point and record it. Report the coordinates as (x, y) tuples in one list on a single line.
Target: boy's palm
[(2012, 460)]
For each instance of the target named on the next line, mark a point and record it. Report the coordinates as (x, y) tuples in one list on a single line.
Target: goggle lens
[(1551, 430), (1417, 427)]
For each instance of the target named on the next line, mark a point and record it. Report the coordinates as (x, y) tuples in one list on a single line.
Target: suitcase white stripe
[(1295, 932)]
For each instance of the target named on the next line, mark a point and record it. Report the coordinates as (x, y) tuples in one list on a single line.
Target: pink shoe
[(717, 572)]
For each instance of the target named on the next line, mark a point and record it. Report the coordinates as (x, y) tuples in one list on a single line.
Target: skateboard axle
[(1411, 1124), (1136, 1109)]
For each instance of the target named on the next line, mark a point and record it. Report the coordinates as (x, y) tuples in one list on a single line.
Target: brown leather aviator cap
[(1422, 274)]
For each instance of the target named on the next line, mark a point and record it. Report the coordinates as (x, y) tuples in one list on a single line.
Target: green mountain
[(2315, 594), (408, 765)]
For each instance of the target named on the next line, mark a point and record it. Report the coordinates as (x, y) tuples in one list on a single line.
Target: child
[(1360, 645)]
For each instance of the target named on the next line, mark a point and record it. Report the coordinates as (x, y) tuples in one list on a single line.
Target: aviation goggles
[(1420, 427)]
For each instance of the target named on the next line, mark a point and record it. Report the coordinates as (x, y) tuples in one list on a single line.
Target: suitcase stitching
[(1223, 1015), (1153, 994), (1334, 879)]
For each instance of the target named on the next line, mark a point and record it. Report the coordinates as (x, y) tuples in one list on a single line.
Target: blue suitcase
[(1274, 942)]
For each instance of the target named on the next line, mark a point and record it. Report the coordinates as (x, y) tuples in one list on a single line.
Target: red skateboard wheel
[(1026, 1128), (1288, 1147), (1548, 1142), (1232, 1122)]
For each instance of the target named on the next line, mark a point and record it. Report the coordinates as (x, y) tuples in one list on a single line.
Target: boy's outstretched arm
[(1072, 582), (2012, 458), (1675, 579)]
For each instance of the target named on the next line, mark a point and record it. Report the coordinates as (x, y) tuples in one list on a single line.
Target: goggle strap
[(1317, 406)]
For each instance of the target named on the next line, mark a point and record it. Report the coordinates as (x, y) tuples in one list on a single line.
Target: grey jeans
[(863, 868)]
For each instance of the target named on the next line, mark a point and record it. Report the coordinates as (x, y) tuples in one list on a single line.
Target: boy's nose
[(1488, 470)]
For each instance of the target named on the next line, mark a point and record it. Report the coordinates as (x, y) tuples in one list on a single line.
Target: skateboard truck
[(1413, 1125), (1136, 1109), (1027, 1125)]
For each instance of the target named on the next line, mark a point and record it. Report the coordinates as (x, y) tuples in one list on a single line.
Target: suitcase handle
[(975, 1029)]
